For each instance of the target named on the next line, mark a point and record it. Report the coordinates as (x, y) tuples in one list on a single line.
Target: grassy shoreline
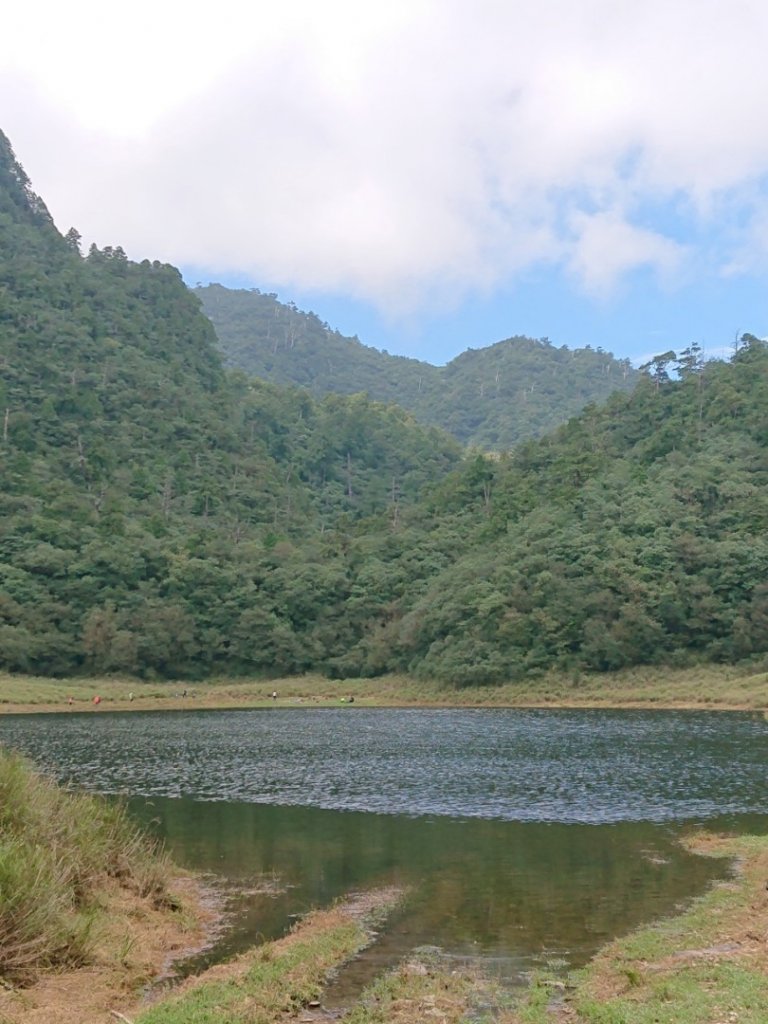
[(276, 980), (708, 964), (713, 688), (60, 853), (90, 908)]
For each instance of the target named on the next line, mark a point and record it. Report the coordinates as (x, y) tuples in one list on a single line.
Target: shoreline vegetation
[(275, 981), (91, 913), (708, 964), (706, 688), (90, 908)]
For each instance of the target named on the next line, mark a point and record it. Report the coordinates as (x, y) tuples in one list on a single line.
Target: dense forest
[(147, 496), (491, 397), (164, 517)]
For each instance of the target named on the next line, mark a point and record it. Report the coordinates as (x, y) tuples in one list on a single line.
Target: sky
[(430, 175)]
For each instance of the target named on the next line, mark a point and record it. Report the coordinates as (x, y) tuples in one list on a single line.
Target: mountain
[(162, 516), (147, 494), (491, 398), (635, 534)]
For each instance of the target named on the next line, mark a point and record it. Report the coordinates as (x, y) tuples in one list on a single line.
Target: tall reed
[(59, 853)]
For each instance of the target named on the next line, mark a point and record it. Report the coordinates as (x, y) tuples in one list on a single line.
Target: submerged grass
[(423, 989), (277, 979), (58, 850), (708, 965)]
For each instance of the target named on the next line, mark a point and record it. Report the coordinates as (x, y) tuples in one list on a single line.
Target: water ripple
[(516, 765)]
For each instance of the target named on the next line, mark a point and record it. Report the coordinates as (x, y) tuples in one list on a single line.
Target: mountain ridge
[(149, 498), (490, 397), (163, 517)]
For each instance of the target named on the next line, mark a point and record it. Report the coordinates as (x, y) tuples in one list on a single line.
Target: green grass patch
[(698, 994), (705, 687), (707, 965), (33, 690), (271, 981)]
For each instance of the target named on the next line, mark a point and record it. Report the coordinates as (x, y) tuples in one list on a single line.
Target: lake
[(523, 836)]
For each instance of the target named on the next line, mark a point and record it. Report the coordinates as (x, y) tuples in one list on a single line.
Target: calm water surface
[(523, 835)]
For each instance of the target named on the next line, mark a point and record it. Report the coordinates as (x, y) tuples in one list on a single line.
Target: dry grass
[(59, 851), (135, 942), (90, 910), (707, 687)]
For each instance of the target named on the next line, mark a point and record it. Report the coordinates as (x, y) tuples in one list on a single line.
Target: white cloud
[(403, 153), (607, 247)]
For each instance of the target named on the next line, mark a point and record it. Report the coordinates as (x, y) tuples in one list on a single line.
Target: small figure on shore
[(184, 692), (97, 699), (274, 695), (70, 701), (130, 695)]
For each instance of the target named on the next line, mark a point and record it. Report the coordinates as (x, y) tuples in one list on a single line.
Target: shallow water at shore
[(512, 894), (521, 835)]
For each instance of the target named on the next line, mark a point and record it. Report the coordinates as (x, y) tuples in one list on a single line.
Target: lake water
[(523, 836)]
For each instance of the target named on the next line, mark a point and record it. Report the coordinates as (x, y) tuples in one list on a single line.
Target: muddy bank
[(138, 945), (708, 964)]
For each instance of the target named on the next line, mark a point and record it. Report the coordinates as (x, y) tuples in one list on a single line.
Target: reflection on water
[(507, 891), (521, 835)]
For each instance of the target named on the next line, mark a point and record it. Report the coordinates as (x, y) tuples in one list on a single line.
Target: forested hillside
[(636, 534), (146, 496), (491, 397), (162, 517)]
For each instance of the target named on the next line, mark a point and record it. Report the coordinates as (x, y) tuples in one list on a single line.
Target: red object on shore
[(97, 699)]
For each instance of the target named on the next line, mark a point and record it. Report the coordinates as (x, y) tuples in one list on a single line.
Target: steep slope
[(161, 517), (491, 397), (636, 534), (144, 493)]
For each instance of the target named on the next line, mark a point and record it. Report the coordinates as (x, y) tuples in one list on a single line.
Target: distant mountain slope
[(636, 533), (490, 397), (277, 342)]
